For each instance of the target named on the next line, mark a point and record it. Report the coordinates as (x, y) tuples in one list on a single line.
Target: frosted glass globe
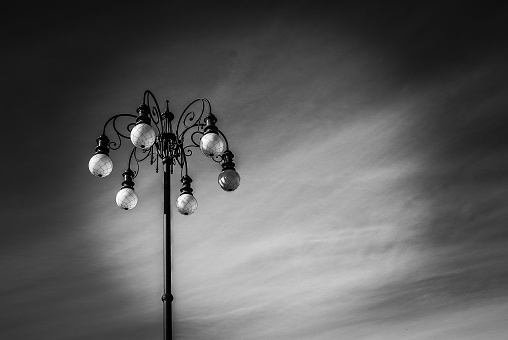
[(143, 136), (212, 144), (126, 198), (229, 180), (100, 165), (186, 204)]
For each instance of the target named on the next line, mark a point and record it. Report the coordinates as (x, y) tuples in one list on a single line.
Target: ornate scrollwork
[(156, 110), (193, 135), (114, 145), (156, 118), (169, 147), (147, 152), (188, 118), (134, 156), (135, 172), (187, 151)]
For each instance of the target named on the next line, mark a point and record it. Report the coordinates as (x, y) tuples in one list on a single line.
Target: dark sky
[(372, 143)]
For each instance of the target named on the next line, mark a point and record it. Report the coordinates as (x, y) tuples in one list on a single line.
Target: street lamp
[(170, 146)]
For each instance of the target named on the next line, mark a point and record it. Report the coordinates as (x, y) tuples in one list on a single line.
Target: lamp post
[(167, 144)]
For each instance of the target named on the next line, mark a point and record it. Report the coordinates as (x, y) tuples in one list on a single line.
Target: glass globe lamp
[(126, 198), (143, 135), (229, 180), (211, 144), (100, 165), (186, 204)]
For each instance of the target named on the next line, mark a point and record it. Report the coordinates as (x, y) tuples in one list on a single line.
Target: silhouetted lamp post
[(154, 137)]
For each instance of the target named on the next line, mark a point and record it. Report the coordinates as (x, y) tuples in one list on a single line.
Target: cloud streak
[(372, 202)]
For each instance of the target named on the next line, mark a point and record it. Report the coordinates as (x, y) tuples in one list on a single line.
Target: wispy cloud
[(372, 148)]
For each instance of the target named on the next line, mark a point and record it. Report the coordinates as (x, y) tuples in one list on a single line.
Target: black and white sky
[(372, 142)]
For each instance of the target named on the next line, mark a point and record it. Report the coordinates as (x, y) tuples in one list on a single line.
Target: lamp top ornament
[(153, 135)]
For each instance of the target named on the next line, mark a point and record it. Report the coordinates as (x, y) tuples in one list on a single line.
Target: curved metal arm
[(168, 145), (113, 145), (155, 110), (146, 99), (199, 130), (189, 117), (133, 152), (137, 160)]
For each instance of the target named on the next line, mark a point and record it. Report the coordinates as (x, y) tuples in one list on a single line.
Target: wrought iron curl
[(187, 151), (155, 112), (146, 100), (148, 152), (156, 118), (113, 145), (194, 144), (193, 135), (189, 118), (190, 122), (134, 156), (217, 158), (135, 172), (199, 130)]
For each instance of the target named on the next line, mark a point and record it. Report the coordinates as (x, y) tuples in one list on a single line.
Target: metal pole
[(167, 298)]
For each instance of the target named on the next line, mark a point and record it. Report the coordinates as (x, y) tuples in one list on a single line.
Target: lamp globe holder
[(211, 144), (100, 165), (143, 135), (229, 179), (127, 198), (186, 202)]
